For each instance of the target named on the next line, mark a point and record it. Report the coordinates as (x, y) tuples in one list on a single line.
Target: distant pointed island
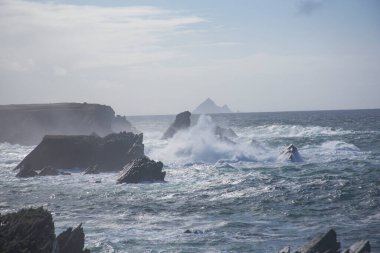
[(209, 106)]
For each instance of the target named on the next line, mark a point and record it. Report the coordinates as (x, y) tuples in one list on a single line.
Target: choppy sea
[(234, 197)]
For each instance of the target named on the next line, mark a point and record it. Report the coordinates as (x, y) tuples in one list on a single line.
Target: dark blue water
[(241, 198)]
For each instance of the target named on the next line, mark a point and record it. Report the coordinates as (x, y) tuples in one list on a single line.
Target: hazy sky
[(166, 56)]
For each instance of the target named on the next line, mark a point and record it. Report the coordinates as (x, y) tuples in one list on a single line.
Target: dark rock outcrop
[(291, 153), (109, 153), (359, 247), (327, 243), (27, 124), (142, 170), (182, 121), (28, 230), (26, 171), (324, 243), (49, 171), (32, 230), (71, 241)]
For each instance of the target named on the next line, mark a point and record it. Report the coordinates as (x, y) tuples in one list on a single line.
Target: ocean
[(233, 197)]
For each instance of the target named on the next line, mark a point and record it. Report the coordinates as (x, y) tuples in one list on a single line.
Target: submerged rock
[(182, 121), (108, 153), (142, 170), (291, 153)]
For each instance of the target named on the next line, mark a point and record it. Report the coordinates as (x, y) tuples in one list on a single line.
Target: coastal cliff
[(28, 123)]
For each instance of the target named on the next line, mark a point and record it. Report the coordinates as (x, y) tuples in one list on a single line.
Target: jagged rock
[(28, 230), (142, 170), (49, 171), (32, 230), (65, 173), (28, 123), (182, 121), (91, 170), (286, 249), (359, 247), (109, 153), (71, 241), (291, 153), (326, 243), (195, 231)]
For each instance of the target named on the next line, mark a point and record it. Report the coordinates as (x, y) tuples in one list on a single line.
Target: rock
[(182, 121), (209, 106), (291, 153), (286, 249), (91, 170), (195, 231), (65, 173), (28, 230), (48, 171), (32, 230), (26, 171), (71, 241), (142, 170), (227, 132), (359, 247), (98, 181), (109, 153), (326, 243), (27, 124)]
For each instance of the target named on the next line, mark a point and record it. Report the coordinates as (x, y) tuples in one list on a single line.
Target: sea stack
[(209, 107), (182, 121), (106, 154)]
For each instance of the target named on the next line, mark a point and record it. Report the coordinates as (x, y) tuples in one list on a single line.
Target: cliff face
[(28, 124)]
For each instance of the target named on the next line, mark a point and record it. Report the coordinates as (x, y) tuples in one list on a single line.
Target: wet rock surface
[(182, 121), (291, 153), (142, 170), (107, 154), (327, 243), (32, 230)]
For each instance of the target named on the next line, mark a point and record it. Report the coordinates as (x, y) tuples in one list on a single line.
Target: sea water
[(234, 197)]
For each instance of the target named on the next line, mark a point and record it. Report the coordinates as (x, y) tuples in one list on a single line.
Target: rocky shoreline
[(32, 230)]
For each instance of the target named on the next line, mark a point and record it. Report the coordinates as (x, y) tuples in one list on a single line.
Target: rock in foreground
[(142, 170), (182, 121), (109, 153), (327, 243), (32, 230)]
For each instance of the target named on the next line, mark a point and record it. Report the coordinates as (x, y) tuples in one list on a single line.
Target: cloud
[(308, 7), (39, 35)]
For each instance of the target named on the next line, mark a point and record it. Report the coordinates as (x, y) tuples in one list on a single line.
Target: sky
[(146, 57)]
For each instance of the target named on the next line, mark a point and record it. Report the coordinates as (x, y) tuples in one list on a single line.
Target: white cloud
[(78, 37)]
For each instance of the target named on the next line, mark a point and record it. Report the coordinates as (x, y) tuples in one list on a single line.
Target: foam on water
[(241, 197)]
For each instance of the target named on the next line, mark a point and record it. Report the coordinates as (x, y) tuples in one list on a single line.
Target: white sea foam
[(200, 144), (289, 131)]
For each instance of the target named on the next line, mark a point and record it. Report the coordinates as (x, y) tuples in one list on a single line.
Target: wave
[(290, 131)]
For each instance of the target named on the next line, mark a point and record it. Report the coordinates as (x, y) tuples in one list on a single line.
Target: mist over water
[(241, 197)]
